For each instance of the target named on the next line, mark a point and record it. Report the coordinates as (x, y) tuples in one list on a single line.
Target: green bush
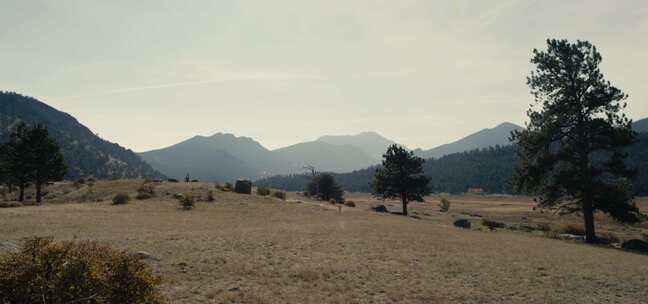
[(120, 199), (44, 271), (444, 205), (263, 191), (280, 195)]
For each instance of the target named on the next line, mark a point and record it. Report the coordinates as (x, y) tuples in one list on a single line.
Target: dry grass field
[(252, 249)]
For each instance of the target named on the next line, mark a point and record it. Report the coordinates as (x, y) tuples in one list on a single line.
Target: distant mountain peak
[(370, 142)]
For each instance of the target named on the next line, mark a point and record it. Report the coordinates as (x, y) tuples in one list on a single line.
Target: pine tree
[(401, 176), (44, 159), (572, 151)]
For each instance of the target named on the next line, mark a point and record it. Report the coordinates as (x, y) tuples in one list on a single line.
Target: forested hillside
[(489, 169), (85, 153)]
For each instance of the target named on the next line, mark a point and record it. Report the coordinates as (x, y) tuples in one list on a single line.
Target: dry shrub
[(280, 195), (609, 238), (187, 202), (444, 205), (263, 191), (145, 191), (350, 204), (543, 227), (572, 229), (120, 199), (10, 204), (44, 271), (210, 196)]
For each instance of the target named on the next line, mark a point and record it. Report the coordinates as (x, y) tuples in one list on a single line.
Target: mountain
[(370, 143), (325, 156), (641, 125), (220, 157), (85, 153), (482, 139), (225, 157)]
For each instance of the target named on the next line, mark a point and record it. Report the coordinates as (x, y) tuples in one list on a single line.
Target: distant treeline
[(489, 169)]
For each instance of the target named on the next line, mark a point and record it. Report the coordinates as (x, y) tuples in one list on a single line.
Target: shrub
[(444, 205), (187, 202), (350, 204), (492, 224), (462, 223), (608, 238), (10, 204), (120, 199), (173, 180), (210, 196), (243, 186), (145, 191), (44, 271), (280, 195), (263, 191), (573, 229), (543, 227), (228, 187)]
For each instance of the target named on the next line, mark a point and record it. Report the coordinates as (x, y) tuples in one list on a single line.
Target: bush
[(243, 186), (145, 191), (187, 202), (572, 229), (462, 223), (280, 195), (263, 191), (228, 187), (210, 196), (10, 204), (44, 271), (173, 180), (492, 224), (444, 205), (350, 204), (543, 227), (120, 199)]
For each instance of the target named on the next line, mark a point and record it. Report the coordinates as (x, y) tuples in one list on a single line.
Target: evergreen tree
[(326, 188), (44, 159), (401, 176), (16, 163), (572, 151)]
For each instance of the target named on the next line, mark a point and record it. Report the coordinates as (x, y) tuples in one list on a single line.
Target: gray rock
[(636, 245), (8, 247), (380, 208), (462, 223)]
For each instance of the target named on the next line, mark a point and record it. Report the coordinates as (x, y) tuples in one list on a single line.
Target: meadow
[(256, 249)]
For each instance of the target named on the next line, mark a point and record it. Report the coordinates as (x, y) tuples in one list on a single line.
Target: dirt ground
[(252, 249)]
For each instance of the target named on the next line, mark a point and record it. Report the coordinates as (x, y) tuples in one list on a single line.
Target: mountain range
[(222, 157), (85, 153)]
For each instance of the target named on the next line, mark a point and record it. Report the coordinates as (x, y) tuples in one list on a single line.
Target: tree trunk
[(38, 192), (404, 200), (588, 215), (21, 192)]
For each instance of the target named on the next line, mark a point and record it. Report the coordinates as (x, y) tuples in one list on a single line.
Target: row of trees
[(30, 156)]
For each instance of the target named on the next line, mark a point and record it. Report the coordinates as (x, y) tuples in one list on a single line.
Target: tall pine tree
[(572, 151)]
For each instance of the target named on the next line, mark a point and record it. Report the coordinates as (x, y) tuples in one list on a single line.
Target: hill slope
[(482, 139), (641, 125), (85, 153), (324, 156)]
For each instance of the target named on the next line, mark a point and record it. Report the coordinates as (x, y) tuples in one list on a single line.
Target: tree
[(44, 159), (326, 188), (16, 163), (401, 176), (571, 153)]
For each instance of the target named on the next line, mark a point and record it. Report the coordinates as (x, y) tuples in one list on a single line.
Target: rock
[(571, 237), (636, 245), (462, 223), (143, 255), (8, 247), (243, 186), (178, 196), (380, 208)]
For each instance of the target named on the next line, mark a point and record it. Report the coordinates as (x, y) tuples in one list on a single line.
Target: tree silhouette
[(572, 151), (44, 160), (401, 176)]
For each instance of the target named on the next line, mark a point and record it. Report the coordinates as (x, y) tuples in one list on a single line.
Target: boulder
[(636, 245), (462, 223), (243, 186), (178, 196), (380, 208), (8, 247)]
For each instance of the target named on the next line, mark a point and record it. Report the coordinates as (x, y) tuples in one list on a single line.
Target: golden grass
[(253, 249)]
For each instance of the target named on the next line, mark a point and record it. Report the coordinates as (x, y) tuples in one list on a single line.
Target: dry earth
[(251, 249)]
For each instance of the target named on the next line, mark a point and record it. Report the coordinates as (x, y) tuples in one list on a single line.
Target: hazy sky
[(147, 74)]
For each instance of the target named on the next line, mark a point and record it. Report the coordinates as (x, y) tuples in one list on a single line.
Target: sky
[(150, 73)]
